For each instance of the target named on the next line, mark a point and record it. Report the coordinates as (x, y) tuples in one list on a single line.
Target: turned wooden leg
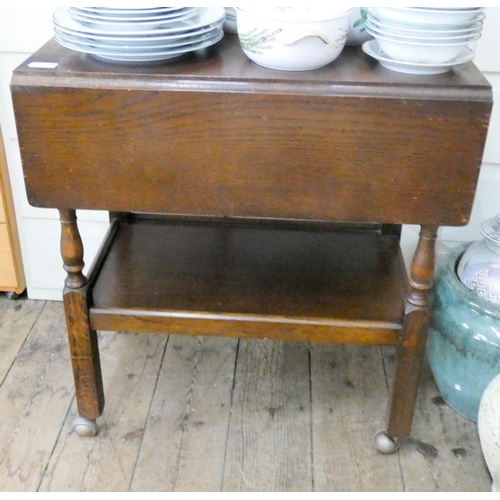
[(82, 339), (412, 345)]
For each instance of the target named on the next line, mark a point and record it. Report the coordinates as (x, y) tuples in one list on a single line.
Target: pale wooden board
[(2, 209), (17, 318), (130, 366), (7, 268), (269, 445), (185, 443), (4, 181), (349, 395), (34, 401), (443, 452), (11, 269), (265, 447)]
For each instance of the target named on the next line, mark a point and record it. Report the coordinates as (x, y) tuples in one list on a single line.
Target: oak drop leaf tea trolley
[(250, 202)]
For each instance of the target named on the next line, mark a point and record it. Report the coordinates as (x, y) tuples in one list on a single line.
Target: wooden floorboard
[(17, 318), (107, 462), (348, 398), (269, 444), (184, 445), (443, 452), (34, 400), (187, 413)]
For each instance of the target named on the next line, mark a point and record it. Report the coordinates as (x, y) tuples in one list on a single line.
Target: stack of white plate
[(423, 40), (138, 34)]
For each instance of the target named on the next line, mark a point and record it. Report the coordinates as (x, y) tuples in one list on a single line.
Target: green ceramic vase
[(463, 346)]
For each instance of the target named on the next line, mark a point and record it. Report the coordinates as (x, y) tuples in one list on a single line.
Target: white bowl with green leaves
[(292, 38)]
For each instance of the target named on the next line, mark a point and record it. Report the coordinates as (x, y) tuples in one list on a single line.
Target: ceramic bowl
[(417, 34), (418, 15), (397, 26), (357, 31), (426, 37), (421, 51), (292, 38)]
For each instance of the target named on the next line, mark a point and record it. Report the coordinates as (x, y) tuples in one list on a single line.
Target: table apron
[(264, 155)]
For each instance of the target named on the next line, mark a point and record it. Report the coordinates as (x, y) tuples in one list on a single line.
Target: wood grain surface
[(214, 134), (153, 382)]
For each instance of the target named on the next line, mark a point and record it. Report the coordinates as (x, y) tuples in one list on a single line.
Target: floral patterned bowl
[(357, 28), (292, 38)]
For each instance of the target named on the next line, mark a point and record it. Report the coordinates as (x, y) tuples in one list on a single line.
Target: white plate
[(135, 46), (151, 39), (206, 16), (130, 15), (135, 58), (138, 11), (372, 48), (146, 56), (130, 23)]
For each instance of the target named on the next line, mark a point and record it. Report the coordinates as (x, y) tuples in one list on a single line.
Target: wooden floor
[(190, 413)]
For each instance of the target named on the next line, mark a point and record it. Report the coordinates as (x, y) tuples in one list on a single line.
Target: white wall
[(487, 201), (23, 30)]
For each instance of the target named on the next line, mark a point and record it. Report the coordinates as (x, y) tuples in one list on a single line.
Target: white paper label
[(43, 65)]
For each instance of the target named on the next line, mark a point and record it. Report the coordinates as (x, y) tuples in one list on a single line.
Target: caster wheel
[(13, 295), (85, 427), (384, 443)]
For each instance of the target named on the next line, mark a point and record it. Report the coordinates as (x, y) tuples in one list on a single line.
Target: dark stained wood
[(406, 376), (422, 267), (215, 137), (85, 360), (201, 153), (71, 250), (333, 135), (411, 349), (226, 68), (270, 282), (82, 339)]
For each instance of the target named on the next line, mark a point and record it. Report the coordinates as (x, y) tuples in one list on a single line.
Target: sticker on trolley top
[(43, 65)]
